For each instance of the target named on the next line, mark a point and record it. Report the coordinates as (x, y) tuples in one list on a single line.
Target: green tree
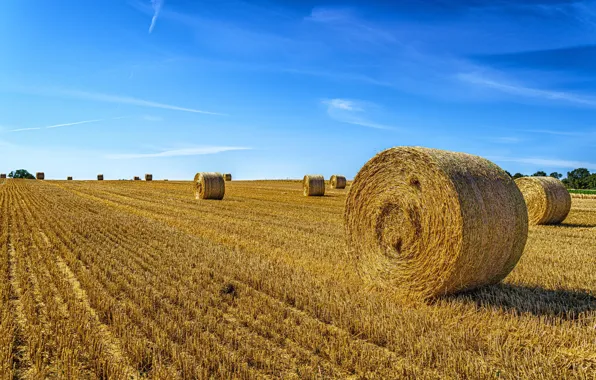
[(591, 181), (21, 173), (539, 173), (518, 175), (556, 175), (578, 178)]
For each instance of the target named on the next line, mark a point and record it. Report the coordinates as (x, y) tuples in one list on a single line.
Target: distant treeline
[(580, 178)]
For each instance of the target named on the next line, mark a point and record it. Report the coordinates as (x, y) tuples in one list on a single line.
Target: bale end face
[(338, 182), (148, 177), (40, 175), (427, 222), (313, 185), (547, 199), (209, 186)]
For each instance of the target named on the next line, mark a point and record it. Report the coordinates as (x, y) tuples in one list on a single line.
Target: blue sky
[(268, 89)]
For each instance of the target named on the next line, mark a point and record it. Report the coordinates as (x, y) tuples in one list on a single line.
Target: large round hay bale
[(40, 175), (100, 177), (148, 177), (209, 186), (547, 199), (428, 222), (313, 185), (69, 178), (228, 177), (338, 182)]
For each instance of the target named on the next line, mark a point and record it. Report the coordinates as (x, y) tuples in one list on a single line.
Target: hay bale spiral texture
[(313, 185), (338, 182), (228, 177), (148, 177), (209, 186), (547, 199), (427, 222), (40, 175), (100, 177)]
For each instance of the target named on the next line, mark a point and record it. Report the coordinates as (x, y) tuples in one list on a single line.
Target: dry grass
[(129, 279)]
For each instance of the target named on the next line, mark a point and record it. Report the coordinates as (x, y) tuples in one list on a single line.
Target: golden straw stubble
[(429, 222), (547, 199), (209, 186), (313, 185), (338, 182)]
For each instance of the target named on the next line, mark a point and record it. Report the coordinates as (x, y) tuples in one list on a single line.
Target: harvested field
[(128, 279)]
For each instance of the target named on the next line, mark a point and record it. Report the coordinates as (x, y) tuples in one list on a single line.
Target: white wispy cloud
[(57, 125), (524, 91), (350, 111), (152, 118), (197, 151), (554, 132), (545, 162), (110, 98), (156, 4)]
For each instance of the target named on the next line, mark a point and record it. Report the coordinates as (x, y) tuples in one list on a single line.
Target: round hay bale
[(313, 185), (228, 177), (40, 175), (100, 177), (209, 186), (69, 178), (547, 199), (338, 182), (137, 178), (148, 177), (427, 222)]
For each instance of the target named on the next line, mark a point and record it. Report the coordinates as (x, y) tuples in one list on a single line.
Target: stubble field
[(138, 279)]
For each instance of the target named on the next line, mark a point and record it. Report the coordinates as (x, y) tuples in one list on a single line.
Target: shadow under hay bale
[(338, 182), (547, 199), (520, 299), (209, 186), (427, 222), (313, 185)]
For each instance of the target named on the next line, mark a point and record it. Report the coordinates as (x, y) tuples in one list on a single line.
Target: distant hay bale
[(148, 177), (100, 177), (209, 186), (166, 179), (547, 199), (313, 185), (338, 182), (137, 178), (2, 176), (228, 177), (428, 222), (69, 178), (40, 175)]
